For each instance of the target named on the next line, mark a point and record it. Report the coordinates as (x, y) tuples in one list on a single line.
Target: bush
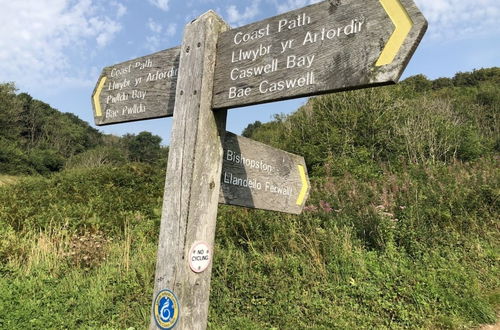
[(45, 161), (100, 156), (400, 230), (355, 131), (79, 199), (408, 248), (144, 147), (13, 160)]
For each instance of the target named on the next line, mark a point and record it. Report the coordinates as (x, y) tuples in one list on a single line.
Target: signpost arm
[(193, 180)]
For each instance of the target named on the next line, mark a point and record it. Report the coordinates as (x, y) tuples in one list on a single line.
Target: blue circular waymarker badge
[(166, 309)]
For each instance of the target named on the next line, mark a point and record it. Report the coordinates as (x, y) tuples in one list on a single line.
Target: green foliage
[(249, 130), (83, 198), (476, 77), (401, 229), (406, 250), (44, 127), (12, 159), (412, 248), (36, 138), (144, 147), (97, 157), (45, 161), (416, 122), (442, 83), (420, 83), (10, 110), (116, 295), (77, 244)]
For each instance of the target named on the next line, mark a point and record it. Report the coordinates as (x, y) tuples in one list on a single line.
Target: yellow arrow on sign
[(403, 23), (305, 185), (97, 103)]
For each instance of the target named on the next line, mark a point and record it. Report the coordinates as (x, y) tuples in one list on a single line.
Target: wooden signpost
[(192, 184), (334, 45), (330, 46), (257, 176), (143, 88)]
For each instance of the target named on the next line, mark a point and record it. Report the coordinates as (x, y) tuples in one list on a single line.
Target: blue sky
[(55, 49)]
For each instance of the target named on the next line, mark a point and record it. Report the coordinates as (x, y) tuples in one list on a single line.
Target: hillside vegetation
[(415, 122), (401, 229), (37, 139)]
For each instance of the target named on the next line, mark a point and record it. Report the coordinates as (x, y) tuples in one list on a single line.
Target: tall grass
[(63, 278), (410, 249), (401, 229)]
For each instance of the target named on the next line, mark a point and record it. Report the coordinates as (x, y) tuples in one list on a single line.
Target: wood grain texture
[(193, 175), (142, 88), (326, 47), (259, 176)]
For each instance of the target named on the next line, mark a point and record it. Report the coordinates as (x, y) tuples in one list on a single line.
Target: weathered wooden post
[(331, 46), (192, 184)]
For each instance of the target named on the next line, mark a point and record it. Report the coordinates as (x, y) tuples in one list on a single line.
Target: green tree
[(250, 129), (10, 112), (419, 83), (442, 83), (144, 147), (476, 76)]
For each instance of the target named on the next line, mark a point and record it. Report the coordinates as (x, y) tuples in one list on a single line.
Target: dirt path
[(491, 326), (7, 179)]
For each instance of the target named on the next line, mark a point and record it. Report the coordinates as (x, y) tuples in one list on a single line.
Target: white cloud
[(107, 30), (171, 29), (461, 19), (162, 4), (153, 43), (154, 26), (159, 34), (121, 10), (237, 17), (37, 39), (448, 19)]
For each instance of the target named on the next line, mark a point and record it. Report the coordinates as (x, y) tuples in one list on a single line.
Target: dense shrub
[(411, 123), (83, 198), (13, 160), (100, 156), (400, 231)]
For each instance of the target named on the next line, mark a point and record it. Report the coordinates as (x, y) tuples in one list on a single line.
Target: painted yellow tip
[(97, 103), (305, 185), (403, 25)]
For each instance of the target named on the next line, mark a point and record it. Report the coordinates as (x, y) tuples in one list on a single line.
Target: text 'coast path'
[(330, 46)]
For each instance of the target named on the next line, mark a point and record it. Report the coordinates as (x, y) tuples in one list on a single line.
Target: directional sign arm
[(138, 89), (327, 47), (259, 176), (403, 25)]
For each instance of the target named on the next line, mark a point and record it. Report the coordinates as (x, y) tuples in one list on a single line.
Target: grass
[(412, 249), (65, 280), (401, 229), (401, 251)]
